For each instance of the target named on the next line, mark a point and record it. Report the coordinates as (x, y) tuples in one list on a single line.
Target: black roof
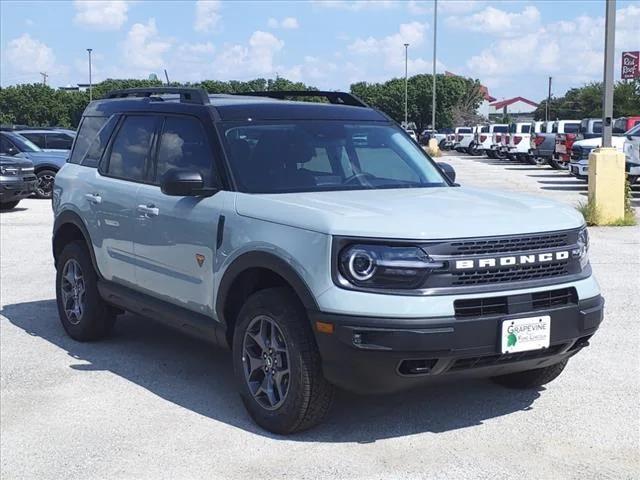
[(237, 107)]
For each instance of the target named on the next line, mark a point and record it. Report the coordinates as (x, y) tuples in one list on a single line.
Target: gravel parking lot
[(148, 403)]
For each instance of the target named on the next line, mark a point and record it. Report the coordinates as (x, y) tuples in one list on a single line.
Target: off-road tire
[(9, 205), (309, 394), (531, 378), (98, 318)]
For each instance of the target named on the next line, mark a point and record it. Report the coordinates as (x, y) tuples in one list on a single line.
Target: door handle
[(149, 210), (94, 198)]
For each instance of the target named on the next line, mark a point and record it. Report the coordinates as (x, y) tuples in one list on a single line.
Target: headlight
[(381, 266), (8, 170), (582, 249)]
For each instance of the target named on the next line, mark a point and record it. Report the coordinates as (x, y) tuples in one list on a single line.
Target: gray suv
[(318, 243)]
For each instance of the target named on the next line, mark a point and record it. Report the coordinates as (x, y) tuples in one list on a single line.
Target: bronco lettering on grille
[(510, 261)]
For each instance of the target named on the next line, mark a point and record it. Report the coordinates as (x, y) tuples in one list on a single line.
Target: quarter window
[(58, 141), (86, 134), (183, 145), (130, 150)]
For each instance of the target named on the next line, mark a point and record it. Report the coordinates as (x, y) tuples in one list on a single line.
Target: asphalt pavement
[(150, 403)]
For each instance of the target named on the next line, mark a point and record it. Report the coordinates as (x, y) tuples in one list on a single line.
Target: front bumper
[(16, 188), (579, 170), (381, 355)]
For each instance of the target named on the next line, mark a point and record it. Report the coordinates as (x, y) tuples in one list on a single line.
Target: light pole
[(607, 101), (406, 85), (90, 86), (546, 110), (433, 88)]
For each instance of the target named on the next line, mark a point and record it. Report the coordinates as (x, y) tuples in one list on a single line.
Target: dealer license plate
[(524, 334)]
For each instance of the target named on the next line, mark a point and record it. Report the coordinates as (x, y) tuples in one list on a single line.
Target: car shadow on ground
[(197, 376), (14, 210)]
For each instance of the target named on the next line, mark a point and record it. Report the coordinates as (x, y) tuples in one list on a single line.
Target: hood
[(616, 142), (53, 158), (417, 213), (15, 160)]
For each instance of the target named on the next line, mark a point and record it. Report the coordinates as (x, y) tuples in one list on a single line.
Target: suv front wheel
[(277, 364), (83, 313)]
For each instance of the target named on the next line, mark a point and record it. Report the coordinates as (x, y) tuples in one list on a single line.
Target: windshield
[(309, 156), (24, 144)]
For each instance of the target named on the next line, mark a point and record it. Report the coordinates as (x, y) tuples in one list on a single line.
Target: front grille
[(492, 360), (512, 274), (554, 298), (510, 245), (483, 307)]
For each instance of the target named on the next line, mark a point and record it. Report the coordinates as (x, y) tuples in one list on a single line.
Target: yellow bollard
[(433, 150), (607, 184)]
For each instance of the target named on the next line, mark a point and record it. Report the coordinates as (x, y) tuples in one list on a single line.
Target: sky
[(512, 47)]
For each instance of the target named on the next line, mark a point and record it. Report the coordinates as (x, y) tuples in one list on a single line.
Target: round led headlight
[(362, 264)]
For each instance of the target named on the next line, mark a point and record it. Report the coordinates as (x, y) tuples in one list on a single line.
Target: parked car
[(590, 128), (46, 164), (17, 181), (440, 137), (624, 124), (542, 143), (58, 140), (316, 263), (517, 147), (580, 150), (462, 139), (473, 149), (566, 132), (494, 140), (632, 153)]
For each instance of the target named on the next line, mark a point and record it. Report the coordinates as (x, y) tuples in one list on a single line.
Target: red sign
[(630, 65)]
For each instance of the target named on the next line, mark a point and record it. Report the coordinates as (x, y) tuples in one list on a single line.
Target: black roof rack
[(339, 98), (199, 96)]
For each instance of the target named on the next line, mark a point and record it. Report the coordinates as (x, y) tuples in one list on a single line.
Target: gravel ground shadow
[(197, 376)]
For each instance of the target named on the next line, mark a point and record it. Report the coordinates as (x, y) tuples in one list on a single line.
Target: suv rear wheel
[(83, 313), (531, 378), (277, 364)]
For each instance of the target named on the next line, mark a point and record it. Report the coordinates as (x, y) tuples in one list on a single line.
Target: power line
[(44, 77)]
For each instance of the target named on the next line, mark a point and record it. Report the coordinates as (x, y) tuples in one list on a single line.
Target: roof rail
[(198, 96), (339, 98)]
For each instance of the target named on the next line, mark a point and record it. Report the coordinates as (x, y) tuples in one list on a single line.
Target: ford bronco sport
[(318, 242)]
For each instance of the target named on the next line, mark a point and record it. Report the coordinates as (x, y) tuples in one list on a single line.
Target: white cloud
[(494, 21), (254, 58), (312, 70), (570, 51), (29, 55), (453, 7), (207, 15), (287, 23), (355, 5), (143, 48), (101, 14)]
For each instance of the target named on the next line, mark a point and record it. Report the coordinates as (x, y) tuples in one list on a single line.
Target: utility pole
[(90, 83), (546, 109), (44, 77), (406, 85), (166, 75), (609, 43), (433, 88)]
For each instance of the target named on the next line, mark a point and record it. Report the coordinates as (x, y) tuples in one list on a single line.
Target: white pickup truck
[(462, 139), (519, 141), (485, 137)]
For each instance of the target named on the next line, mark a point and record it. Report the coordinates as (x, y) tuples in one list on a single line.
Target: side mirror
[(448, 170), (182, 183)]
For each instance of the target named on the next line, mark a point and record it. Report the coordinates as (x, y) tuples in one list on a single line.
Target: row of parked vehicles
[(29, 161), (561, 144)]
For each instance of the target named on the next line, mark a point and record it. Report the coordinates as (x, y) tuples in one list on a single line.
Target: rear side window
[(571, 127), (183, 144), (37, 138), (597, 126), (86, 134), (500, 129), (554, 129), (130, 150), (464, 130), (526, 128), (484, 129), (58, 141), (620, 125)]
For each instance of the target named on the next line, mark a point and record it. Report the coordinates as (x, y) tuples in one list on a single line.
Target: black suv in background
[(17, 181)]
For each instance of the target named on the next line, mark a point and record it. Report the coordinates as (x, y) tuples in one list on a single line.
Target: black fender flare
[(70, 217), (269, 261)]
